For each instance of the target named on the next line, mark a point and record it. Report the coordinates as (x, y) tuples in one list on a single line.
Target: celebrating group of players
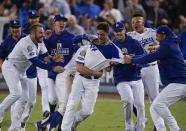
[(68, 68)]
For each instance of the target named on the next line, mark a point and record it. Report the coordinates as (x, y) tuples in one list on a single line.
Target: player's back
[(24, 50)]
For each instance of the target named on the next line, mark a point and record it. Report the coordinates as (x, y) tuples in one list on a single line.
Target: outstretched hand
[(58, 58), (127, 59)]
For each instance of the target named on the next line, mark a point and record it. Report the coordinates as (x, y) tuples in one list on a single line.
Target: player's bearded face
[(39, 35), (138, 24), (102, 36)]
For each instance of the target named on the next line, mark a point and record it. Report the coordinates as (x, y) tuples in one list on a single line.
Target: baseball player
[(86, 80), (127, 79), (60, 42), (23, 108), (53, 120), (6, 47), (8, 44), (40, 73), (173, 76), (150, 72), (146, 36), (18, 61)]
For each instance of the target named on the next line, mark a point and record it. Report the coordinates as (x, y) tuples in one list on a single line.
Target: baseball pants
[(43, 82), (160, 107), (62, 91), (32, 89), (52, 96), (24, 105), (133, 93), (12, 78), (151, 79), (84, 90)]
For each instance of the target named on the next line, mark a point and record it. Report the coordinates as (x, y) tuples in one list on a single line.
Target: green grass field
[(107, 116)]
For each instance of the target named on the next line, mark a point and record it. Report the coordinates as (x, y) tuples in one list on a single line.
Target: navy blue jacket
[(128, 72), (62, 44), (182, 37), (171, 62)]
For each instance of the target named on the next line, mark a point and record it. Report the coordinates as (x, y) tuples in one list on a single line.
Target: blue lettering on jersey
[(146, 41)]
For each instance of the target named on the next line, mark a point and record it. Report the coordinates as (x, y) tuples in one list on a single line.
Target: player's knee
[(127, 104), (31, 106), (157, 106), (16, 95), (32, 102), (152, 109), (87, 112), (140, 106), (53, 101)]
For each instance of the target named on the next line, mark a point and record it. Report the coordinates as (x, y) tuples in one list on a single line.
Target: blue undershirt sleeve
[(148, 58), (37, 62)]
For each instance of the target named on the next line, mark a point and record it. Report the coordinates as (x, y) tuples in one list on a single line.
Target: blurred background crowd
[(84, 15)]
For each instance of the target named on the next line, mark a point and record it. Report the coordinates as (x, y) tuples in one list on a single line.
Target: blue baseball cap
[(164, 29), (60, 17), (33, 14), (118, 26), (15, 23)]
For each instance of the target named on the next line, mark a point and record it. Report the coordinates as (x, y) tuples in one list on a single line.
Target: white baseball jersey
[(146, 38), (86, 57), (71, 66), (150, 74), (24, 50)]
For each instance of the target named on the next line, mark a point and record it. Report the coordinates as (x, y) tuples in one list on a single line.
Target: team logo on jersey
[(145, 41), (62, 50), (30, 48), (124, 51), (59, 48)]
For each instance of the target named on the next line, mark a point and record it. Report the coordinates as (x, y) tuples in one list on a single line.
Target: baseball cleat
[(23, 126), (74, 126), (46, 114), (39, 126)]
